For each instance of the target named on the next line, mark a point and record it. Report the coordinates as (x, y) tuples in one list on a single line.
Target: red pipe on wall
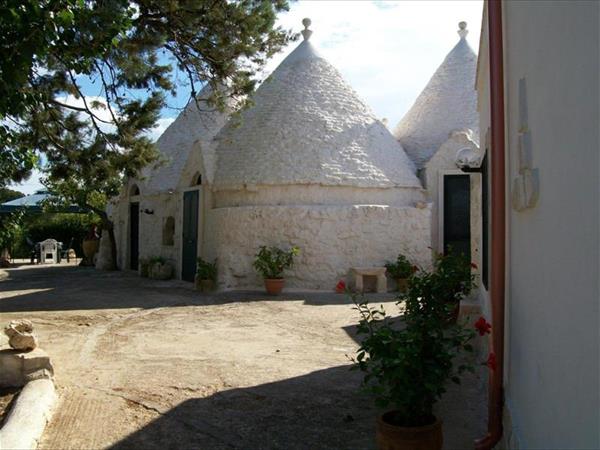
[(498, 232)]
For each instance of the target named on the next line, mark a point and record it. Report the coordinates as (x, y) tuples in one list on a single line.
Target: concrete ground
[(156, 365)]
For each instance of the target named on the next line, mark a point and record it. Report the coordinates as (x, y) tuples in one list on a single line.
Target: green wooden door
[(457, 214), (134, 235), (190, 235)]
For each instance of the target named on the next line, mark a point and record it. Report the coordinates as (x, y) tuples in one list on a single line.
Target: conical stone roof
[(307, 126), (448, 103), (197, 124)]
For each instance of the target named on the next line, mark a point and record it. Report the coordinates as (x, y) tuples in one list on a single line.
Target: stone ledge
[(18, 368), (29, 415)]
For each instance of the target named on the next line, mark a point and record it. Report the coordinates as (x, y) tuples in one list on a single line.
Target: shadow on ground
[(64, 288), (323, 410)]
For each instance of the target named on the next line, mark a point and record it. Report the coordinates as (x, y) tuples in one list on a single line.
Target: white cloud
[(160, 127), (386, 51), (29, 186)]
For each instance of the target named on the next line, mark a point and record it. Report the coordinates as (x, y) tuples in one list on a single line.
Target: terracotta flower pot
[(393, 437), (160, 271), (274, 286), (144, 269), (402, 284), (204, 285), (90, 247)]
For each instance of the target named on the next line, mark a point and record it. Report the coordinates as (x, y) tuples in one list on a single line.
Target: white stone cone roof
[(448, 103), (197, 124), (307, 126)]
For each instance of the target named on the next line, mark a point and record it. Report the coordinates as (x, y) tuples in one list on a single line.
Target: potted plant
[(90, 246), (160, 268), (206, 275), (400, 270), (455, 279), (409, 360), (270, 262), (144, 267)]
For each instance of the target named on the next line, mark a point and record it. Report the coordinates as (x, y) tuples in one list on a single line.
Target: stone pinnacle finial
[(462, 31), (306, 32)]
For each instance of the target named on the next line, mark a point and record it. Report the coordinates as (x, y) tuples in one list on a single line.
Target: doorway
[(134, 235), (457, 214), (189, 235)]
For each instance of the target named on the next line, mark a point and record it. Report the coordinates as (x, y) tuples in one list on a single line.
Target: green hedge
[(61, 226)]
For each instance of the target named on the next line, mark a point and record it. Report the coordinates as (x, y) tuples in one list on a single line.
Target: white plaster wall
[(552, 383), (151, 227), (331, 239)]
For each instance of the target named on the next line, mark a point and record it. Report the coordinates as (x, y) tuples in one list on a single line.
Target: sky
[(386, 50)]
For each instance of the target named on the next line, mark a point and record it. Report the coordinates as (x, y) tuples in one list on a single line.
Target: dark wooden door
[(134, 235), (457, 214), (189, 235)]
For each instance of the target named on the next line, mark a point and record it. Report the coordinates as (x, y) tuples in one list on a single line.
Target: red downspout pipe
[(498, 234)]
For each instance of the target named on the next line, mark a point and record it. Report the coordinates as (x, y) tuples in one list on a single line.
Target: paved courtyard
[(156, 365)]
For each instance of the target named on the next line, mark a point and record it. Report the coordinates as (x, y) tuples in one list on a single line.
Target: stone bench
[(360, 272)]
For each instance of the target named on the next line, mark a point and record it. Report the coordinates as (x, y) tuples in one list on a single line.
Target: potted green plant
[(206, 275), (408, 361), (400, 270), (270, 262), (455, 278), (144, 267), (160, 268)]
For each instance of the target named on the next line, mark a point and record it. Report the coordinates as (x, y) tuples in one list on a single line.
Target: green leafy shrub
[(402, 268), (270, 262), (408, 361), (454, 275), (157, 260), (206, 270)]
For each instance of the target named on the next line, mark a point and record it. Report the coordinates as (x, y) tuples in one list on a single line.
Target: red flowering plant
[(409, 360)]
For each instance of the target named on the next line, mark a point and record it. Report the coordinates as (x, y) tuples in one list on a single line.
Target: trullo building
[(308, 164), (440, 133)]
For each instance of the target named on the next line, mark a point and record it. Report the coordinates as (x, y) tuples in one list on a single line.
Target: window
[(168, 230), (135, 190), (197, 180)]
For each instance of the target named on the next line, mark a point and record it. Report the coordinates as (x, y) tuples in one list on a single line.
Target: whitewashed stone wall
[(331, 239), (151, 227)]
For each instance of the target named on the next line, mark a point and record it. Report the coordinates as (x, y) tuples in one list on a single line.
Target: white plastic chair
[(49, 251)]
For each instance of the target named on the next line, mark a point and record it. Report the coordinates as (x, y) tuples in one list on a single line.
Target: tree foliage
[(53, 53), (6, 194)]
